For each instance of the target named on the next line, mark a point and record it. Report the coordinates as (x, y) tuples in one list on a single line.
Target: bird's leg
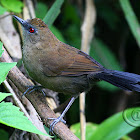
[(62, 106), (33, 88), (60, 118)]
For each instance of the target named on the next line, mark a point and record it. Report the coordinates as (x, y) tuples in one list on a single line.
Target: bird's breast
[(31, 59)]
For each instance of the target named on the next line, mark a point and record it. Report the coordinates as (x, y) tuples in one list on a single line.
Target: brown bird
[(65, 69)]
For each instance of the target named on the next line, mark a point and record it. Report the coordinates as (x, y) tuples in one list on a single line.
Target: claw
[(56, 120), (60, 118), (33, 88)]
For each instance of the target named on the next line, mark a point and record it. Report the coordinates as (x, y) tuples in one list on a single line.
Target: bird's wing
[(69, 61), (82, 64)]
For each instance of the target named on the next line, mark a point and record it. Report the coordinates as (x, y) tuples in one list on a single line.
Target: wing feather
[(69, 61), (82, 64)]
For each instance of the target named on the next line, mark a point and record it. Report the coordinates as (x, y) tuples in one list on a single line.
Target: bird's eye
[(31, 30)]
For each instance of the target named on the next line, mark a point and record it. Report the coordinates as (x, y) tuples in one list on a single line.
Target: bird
[(63, 68)]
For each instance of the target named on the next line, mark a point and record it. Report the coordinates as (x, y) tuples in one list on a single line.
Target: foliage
[(90, 129), (131, 19), (14, 118), (2, 10), (4, 95), (4, 67), (57, 33), (113, 128), (41, 13), (12, 5), (53, 12), (104, 56), (1, 51), (107, 130), (101, 52), (41, 10)]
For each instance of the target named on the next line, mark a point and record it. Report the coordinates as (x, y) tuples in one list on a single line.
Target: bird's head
[(33, 29)]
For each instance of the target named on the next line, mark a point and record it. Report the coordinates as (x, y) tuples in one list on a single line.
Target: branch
[(33, 117), (9, 36), (87, 35), (37, 100)]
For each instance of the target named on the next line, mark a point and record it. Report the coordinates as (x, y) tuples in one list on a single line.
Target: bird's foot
[(56, 120), (33, 88)]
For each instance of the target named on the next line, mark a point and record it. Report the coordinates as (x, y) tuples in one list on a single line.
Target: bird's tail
[(124, 80)]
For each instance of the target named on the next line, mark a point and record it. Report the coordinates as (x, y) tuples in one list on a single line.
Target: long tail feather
[(124, 80)]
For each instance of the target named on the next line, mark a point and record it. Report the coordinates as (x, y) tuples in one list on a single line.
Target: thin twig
[(35, 120), (87, 35)]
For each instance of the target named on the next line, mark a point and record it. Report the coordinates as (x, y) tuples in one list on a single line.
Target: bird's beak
[(21, 21)]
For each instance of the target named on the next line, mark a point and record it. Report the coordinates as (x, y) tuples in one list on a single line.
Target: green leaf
[(70, 14), (13, 5), (90, 129), (100, 52), (11, 116), (126, 138), (4, 95), (4, 69), (131, 19), (41, 10), (73, 35), (53, 12), (2, 10), (1, 51), (115, 127)]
